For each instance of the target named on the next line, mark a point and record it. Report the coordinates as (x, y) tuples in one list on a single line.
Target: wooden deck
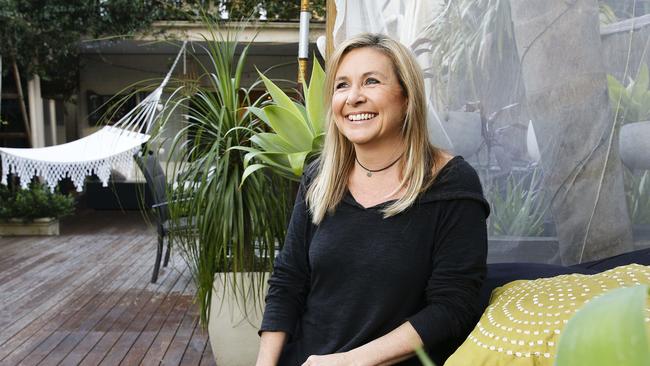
[(84, 298)]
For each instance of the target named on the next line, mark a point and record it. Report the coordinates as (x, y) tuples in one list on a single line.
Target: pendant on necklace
[(369, 174)]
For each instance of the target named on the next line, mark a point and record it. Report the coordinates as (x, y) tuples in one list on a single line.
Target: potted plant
[(285, 136), (33, 211), (631, 105), (637, 193), (240, 211), (517, 231)]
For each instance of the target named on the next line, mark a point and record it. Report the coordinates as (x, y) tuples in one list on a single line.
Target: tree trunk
[(21, 101), (560, 51)]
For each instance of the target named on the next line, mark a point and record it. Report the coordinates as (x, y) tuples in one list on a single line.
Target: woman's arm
[(288, 285), (395, 346), (271, 344), (389, 349)]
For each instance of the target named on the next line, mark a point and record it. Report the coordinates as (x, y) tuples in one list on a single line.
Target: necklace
[(370, 171)]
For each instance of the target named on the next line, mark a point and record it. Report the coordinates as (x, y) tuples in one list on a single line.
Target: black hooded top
[(357, 276)]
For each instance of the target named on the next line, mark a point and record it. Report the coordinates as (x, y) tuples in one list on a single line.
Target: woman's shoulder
[(457, 179), (457, 174)]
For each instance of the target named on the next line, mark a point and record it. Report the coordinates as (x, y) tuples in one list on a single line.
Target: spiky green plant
[(637, 193), (520, 210), (297, 130), (238, 224)]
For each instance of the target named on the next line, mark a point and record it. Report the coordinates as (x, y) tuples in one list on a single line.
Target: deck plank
[(131, 332), (78, 326), (169, 328), (84, 298), (196, 347), (38, 331), (39, 286)]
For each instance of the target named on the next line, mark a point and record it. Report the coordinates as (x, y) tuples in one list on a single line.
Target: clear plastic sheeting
[(549, 101)]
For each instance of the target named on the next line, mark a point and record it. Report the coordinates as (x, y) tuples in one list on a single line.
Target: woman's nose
[(355, 96)]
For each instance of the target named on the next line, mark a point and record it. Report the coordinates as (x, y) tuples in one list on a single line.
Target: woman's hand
[(334, 359)]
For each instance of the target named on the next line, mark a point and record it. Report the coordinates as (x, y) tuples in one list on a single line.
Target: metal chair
[(154, 175)]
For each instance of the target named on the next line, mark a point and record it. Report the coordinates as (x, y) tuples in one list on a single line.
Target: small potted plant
[(33, 211), (631, 106), (517, 231), (637, 193)]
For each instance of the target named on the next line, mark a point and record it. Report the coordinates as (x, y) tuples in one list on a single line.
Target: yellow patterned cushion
[(523, 322)]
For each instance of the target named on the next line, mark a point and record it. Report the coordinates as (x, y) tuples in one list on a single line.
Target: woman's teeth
[(361, 116)]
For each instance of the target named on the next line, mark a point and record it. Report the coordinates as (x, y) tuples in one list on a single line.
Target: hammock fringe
[(98, 153)]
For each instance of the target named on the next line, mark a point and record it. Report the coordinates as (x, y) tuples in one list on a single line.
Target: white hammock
[(109, 148)]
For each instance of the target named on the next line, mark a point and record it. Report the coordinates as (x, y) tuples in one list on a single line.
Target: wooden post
[(21, 101), (52, 113)]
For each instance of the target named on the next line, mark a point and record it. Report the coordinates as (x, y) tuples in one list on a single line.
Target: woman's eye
[(340, 85), (372, 81)]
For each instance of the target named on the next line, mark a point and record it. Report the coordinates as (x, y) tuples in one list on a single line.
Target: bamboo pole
[(303, 46), (330, 19)]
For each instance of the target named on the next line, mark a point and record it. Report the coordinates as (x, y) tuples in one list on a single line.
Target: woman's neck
[(378, 156)]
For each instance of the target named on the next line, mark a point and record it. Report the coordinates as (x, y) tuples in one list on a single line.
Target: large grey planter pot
[(634, 145), (641, 235), (233, 325), (510, 249), (464, 131), (41, 227)]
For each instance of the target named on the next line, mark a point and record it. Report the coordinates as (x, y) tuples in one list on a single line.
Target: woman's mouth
[(360, 117)]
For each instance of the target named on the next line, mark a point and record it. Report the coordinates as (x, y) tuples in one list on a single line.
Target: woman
[(386, 247)]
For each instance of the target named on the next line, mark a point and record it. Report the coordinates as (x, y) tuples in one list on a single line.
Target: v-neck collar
[(349, 198)]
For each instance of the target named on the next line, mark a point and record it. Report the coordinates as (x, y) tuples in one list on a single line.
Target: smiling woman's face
[(368, 103)]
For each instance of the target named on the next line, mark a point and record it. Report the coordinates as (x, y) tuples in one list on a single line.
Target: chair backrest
[(157, 182)]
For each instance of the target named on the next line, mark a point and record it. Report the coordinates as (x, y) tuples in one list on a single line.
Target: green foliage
[(239, 224), (607, 14), (236, 9), (520, 210), (423, 357), (298, 130), (36, 202), (637, 193), (468, 33), (43, 36), (631, 103), (274, 10), (609, 330), (625, 9)]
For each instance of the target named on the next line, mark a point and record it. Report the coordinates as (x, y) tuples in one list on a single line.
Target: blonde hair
[(337, 158)]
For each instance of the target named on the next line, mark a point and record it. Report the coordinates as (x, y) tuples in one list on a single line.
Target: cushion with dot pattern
[(524, 320)]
